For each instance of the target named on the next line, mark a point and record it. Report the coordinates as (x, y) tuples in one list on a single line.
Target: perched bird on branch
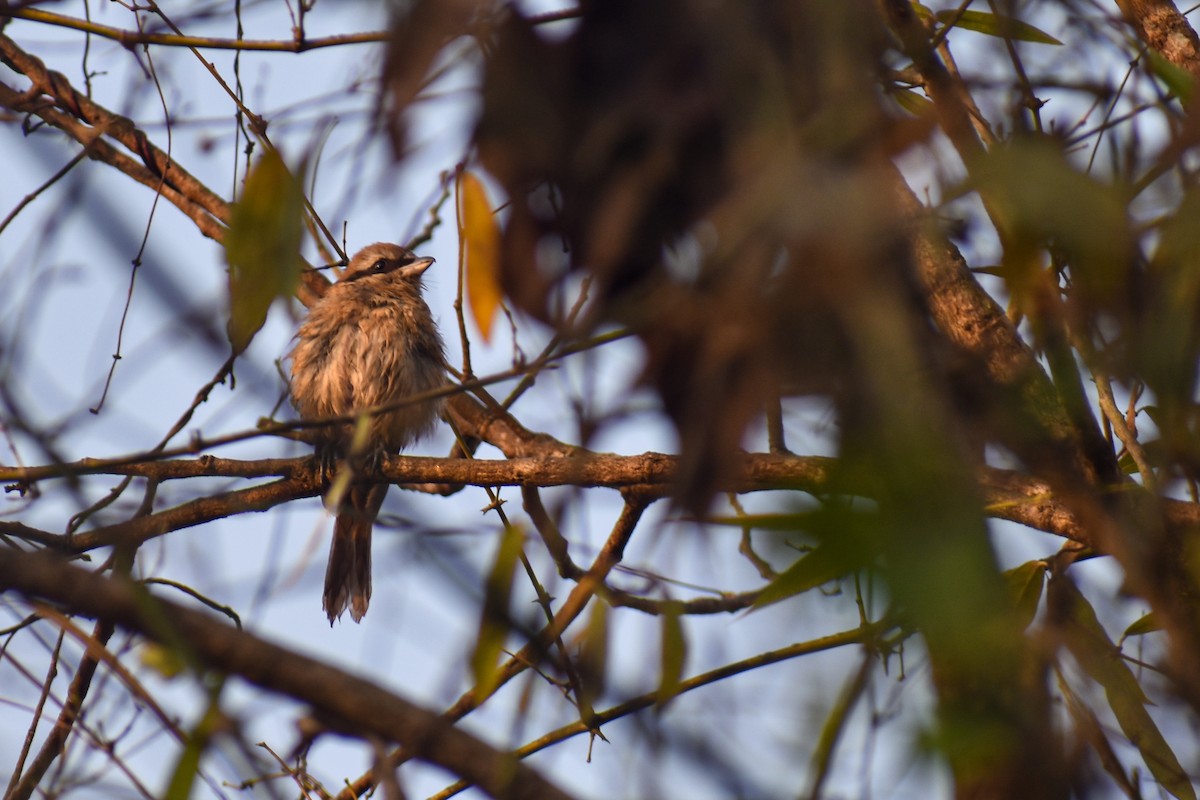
[(370, 341)]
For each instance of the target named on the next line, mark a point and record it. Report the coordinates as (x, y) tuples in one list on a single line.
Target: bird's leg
[(372, 460), (326, 459)]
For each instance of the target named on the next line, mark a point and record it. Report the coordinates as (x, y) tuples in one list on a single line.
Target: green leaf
[(1025, 586), (766, 522), (847, 539), (1175, 78), (1040, 200), (167, 662), (262, 246), (819, 566), (999, 25), (1137, 724), (1166, 345), (674, 654), (187, 767), (593, 660), (1088, 641), (494, 617), (913, 102), (1147, 623)]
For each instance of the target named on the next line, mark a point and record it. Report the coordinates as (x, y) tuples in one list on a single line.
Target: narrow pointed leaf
[(1147, 623), (819, 566), (996, 25), (187, 766), (1177, 79), (763, 522), (1088, 641), (913, 102)]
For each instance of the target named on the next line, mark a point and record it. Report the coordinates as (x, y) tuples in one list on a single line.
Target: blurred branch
[(52, 98), (343, 701), (557, 546), (133, 532), (24, 784), (867, 634), (531, 654), (46, 184)]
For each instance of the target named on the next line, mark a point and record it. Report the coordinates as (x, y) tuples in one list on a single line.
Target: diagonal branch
[(581, 594), (345, 701), (54, 86)]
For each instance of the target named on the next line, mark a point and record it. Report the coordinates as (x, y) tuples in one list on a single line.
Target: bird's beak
[(416, 268)]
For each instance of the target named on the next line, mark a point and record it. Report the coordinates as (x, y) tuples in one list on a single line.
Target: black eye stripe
[(381, 266)]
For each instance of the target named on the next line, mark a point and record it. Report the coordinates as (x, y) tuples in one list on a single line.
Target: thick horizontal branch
[(341, 700), (1005, 494), (759, 471)]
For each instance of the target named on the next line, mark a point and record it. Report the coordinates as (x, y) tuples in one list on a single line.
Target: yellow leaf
[(912, 102), (494, 619), (262, 246), (674, 653), (479, 238), (593, 660), (163, 660)]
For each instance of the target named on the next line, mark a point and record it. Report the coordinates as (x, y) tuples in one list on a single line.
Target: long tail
[(348, 575)]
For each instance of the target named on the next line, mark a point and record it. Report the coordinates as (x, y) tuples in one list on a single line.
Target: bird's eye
[(380, 265)]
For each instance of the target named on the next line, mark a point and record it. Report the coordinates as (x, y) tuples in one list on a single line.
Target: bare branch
[(133, 38), (343, 701)]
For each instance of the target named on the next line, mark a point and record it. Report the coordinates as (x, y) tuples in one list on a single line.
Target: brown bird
[(370, 341)]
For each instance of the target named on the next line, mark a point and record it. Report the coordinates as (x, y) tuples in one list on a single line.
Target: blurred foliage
[(967, 233), (263, 245), (479, 238)]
